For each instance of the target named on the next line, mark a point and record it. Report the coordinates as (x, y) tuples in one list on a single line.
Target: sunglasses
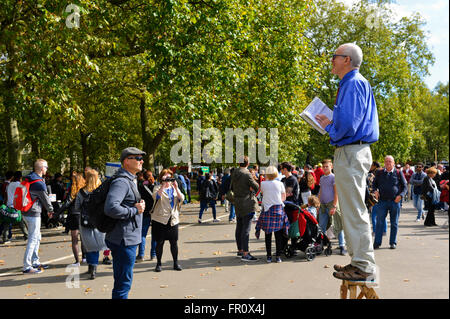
[(137, 158), (336, 55)]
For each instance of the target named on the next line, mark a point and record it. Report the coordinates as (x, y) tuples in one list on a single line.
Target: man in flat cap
[(125, 204)]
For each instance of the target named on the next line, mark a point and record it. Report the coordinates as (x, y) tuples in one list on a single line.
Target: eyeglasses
[(137, 158), (336, 55)]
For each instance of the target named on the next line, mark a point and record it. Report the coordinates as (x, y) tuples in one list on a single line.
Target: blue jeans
[(323, 222), (232, 213), (418, 204), (31, 256), (92, 257), (146, 221), (394, 213), (374, 220), (204, 206), (124, 258)]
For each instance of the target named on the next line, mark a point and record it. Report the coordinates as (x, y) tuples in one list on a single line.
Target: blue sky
[(436, 15)]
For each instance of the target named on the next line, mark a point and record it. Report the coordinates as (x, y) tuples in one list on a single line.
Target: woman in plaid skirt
[(273, 219)]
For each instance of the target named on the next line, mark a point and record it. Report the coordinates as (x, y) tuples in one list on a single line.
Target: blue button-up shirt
[(355, 116)]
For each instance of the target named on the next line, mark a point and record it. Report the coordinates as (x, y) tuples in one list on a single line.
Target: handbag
[(10, 215), (229, 196), (370, 199), (435, 196)]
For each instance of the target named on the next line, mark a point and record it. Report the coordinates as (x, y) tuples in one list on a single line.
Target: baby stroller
[(305, 233)]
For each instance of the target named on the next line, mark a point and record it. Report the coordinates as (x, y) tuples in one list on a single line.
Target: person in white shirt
[(273, 219), (10, 190)]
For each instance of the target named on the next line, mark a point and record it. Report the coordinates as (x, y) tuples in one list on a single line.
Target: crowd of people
[(259, 196)]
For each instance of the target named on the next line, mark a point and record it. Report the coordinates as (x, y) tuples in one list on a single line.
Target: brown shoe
[(342, 268), (353, 273)]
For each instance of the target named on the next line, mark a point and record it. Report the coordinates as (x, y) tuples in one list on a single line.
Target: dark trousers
[(161, 233), (124, 258), (243, 226), (430, 220), (280, 242)]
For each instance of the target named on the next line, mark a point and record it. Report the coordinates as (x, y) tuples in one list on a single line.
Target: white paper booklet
[(314, 108)]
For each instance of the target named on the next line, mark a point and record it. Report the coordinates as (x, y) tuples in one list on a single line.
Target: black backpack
[(94, 206), (84, 214)]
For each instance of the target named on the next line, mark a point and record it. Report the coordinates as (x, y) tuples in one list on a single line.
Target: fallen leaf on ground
[(189, 296), (217, 268), (326, 266), (164, 286), (2, 262), (87, 290), (30, 294), (405, 280), (217, 253)]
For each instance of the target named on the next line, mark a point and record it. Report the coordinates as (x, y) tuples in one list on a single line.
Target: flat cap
[(130, 151)]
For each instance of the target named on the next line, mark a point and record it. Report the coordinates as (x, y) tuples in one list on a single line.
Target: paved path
[(418, 268)]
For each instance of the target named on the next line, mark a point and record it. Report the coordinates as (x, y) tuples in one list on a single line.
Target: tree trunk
[(84, 149), (13, 142), (149, 143)]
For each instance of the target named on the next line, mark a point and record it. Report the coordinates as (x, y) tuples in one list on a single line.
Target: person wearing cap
[(124, 203)]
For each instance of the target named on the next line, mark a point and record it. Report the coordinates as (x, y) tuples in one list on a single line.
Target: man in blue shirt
[(353, 128)]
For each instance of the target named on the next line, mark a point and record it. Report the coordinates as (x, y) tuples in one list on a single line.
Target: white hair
[(354, 52)]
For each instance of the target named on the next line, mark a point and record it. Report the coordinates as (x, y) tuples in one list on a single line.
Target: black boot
[(176, 266), (93, 271), (89, 270)]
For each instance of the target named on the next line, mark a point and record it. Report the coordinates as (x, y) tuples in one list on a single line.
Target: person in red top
[(407, 171), (318, 172)]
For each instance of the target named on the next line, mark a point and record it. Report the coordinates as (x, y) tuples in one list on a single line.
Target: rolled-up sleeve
[(114, 206)]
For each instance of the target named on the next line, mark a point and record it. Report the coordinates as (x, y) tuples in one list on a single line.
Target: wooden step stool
[(365, 291)]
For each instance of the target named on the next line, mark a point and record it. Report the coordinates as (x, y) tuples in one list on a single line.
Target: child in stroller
[(305, 233)]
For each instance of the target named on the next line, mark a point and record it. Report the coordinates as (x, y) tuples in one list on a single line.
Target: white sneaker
[(216, 220), (417, 220), (75, 265)]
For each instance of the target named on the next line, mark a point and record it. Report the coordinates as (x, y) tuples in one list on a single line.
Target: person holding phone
[(165, 216)]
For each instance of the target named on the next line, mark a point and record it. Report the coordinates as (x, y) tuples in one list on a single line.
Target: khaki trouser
[(351, 167)]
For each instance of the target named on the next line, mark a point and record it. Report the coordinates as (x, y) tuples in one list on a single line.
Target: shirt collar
[(348, 76), (391, 171)]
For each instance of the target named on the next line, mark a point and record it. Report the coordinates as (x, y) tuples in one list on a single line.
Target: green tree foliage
[(134, 70)]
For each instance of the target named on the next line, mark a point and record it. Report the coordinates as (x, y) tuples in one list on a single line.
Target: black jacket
[(213, 188), (147, 197)]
